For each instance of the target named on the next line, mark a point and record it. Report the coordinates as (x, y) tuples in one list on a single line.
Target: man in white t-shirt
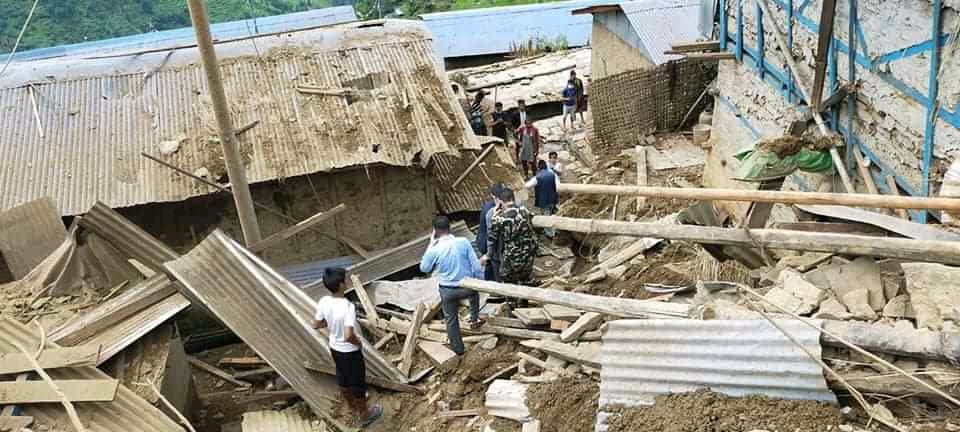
[(339, 316)]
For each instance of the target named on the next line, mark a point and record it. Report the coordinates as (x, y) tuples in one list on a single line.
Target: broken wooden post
[(895, 191), (641, 153), (368, 307), (586, 322), (410, 344), (219, 373), (473, 165), (543, 365), (296, 229), (945, 252), (784, 197)]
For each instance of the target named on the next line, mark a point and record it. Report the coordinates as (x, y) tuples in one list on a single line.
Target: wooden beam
[(307, 223), (117, 309), (473, 165), (15, 423), (725, 55), (531, 316), (242, 362), (439, 354), (372, 380), (506, 322), (384, 340), (619, 307), (219, 373), (864, 171), (938, 251), (827, 14), (584, 354), (254, 373), (560, 312), (352, 244), (81, 390), (695, 46), (369, 308), (410, 343), (501, 373), (895, 191), (831, 227), (519, 333), (50, 358), (472, 412), (543, 365), (785, 197), (641, 161), (586, 322)]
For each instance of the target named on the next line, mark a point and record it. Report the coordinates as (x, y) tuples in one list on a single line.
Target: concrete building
[(359, 114), (633, 35), (903, 117)]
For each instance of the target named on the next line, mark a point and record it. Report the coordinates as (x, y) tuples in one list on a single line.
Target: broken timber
[(694, 46), (373, 380), (944, 252), (473, 165), (784, 197), (296, 229), (410, 343), (586, 322), (212, 370), (620, 307), (50, 358), (80, 390)]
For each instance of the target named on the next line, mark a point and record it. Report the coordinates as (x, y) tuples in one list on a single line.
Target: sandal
[(377, 412)]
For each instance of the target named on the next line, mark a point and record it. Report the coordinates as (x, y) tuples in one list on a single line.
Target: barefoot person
[(339, 316)]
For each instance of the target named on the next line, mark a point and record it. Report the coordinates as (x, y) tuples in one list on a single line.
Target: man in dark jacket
[(486, 214), (546, 198)]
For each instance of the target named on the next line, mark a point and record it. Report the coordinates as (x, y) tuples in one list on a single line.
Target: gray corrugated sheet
[(185, 36), (126, 413), (493, 30), (473, 190), (29, 233), (644, 358), (269, 313), (507, 399), (661, 23), (291, 419), (303, 274), (99, 115), (127, 237)]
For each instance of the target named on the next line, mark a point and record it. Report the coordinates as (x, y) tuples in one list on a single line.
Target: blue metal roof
[(185, 36), (303, 274), (493, 30)]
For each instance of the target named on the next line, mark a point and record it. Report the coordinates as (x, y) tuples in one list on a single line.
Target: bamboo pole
[(945, 252), (785, 197)]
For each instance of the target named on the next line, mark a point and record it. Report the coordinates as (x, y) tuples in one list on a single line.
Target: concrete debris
[(832, 309), (933, 292), (899, 307), (784, 298), (857, 302)]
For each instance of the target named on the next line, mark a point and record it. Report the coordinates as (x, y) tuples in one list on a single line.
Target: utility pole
[(231, 152)]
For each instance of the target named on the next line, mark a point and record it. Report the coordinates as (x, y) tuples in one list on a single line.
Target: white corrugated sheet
[(507, 399), (293, 419), (644, 358), (98, 115), (126, 413), (661, 23)]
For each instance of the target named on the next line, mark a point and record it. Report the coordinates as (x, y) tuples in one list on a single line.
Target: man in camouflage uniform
[(512, 230)]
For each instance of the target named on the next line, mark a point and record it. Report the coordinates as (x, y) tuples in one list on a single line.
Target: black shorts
[(351, 371)]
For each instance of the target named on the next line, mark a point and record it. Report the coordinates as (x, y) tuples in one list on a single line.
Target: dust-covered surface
[(565, 405), (706, 411), (789, 145)]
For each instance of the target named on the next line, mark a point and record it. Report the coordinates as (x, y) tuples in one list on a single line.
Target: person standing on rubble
[(499, 126), (569, 105), (517, 120), (451, 259), (339, 316), (546, 198), (490, 256), (553, 162), (528, 137), (476, 114), (512, 228), (581, 96)]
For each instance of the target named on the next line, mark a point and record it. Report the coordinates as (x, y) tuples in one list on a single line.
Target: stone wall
[(887, 121)]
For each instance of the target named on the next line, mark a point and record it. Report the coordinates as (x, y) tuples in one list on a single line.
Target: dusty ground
[(705, 411), (565, 405)]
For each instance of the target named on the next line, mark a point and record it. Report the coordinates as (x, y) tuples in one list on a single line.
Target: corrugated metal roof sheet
[(493, 30), (644, 358), (128, 237), (184, 36), (660, 23), (99, 115), (507, 399), (29, 233), (473, 190), (126, 413), (292, 419), (235, 285)]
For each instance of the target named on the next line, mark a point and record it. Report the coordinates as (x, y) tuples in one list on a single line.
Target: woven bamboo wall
[(635, 103)]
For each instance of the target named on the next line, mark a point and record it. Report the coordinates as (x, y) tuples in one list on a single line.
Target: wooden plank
[(352, 244), (831, 227), (242, 362), (619, 307), (371, 379), (864, 171), (585, 354), (519, 333), (895, 190), (559, 312), (506, 322), (586, 322), (473, 165), (472, 412), (784, 197), (15, 423), (531, 316), (369, 308), (937, 251), (27, 392), (50, 358), (410, 343), (827, 14), (641, 161), (384, 340), (544, 365), (501, 373), (219, 373), (889, 223), (724, 55), (254, 373), (438, 353), (288, 232), (695, 46), (9, 410), (559, 325)]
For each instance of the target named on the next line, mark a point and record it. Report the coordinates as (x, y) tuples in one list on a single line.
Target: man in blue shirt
[(451, 259), (545, 196), (490, 270)]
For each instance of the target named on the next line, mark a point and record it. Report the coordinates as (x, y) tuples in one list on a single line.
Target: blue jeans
[(450, 303)]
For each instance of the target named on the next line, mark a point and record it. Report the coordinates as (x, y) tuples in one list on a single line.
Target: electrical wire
[(20, 36)]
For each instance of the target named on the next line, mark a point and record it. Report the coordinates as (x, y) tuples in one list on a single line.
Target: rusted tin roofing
[(74, 128), (127, 412), (498, 166), (236, 286)]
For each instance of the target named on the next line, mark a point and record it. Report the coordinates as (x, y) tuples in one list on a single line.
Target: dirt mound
[(565, 405), (789, 145), (706, 411)]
